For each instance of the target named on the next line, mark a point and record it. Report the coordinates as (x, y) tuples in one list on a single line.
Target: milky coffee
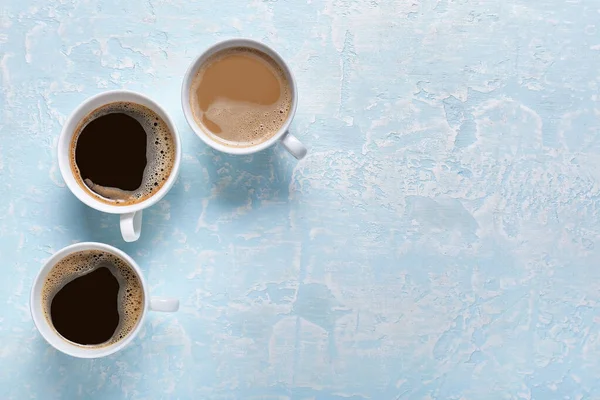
[(240, 97), (122, 153), (93, 298)]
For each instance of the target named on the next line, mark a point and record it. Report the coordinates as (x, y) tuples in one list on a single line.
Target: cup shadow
[(235, 180), (64, 376), (54, 379), (90, 225)]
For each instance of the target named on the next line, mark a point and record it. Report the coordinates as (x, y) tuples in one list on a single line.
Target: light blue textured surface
[(438, 242)]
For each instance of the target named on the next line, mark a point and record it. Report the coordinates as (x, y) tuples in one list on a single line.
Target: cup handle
[(164, 304), (131, 226), (293, 145)]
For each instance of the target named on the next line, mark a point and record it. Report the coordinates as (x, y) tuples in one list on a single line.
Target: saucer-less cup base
[(283, 136), (59, 343), (131, 215)]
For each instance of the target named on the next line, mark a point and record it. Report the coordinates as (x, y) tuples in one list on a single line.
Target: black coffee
[(86, 310), (93, 298), (122, 153), (111, 152)]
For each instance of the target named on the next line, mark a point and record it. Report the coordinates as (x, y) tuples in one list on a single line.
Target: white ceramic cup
[(68, 347), (283, 136), (131, 215)]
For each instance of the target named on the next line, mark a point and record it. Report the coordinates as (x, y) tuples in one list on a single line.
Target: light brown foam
[(240, 97), (131, 293), (160, 155)]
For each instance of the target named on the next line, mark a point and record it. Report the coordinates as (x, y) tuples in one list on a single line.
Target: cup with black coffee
[(239, 96), (90, 300), (119, 152)]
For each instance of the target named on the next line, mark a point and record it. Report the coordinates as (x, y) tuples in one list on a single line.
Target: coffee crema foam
[(241, 123), (131, 294), (160, 154)]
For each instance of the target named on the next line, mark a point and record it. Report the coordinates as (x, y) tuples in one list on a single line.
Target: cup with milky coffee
[(119, 152), (240, 97), (90, 300)]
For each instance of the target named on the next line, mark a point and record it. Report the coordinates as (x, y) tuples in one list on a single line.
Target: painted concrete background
[(438, 242)]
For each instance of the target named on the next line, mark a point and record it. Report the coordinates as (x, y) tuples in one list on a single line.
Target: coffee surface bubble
[(122, 153), (240, 97), (77, 314)]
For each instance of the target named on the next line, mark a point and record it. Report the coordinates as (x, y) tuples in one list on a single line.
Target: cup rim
[(50, 335), (193, 69), (67, 132)]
